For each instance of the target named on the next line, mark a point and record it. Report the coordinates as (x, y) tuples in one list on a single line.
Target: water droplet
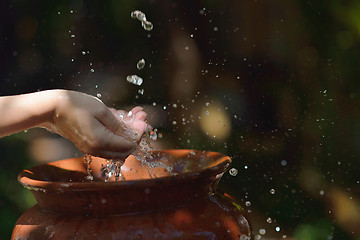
[(262, 231), (153, 134), (191, 35), (283, 163), (148, 26), (244, 237), (269, 220), (207, 104), (272, 191), (216, 29), (134, 79), (72, 35), (174, 105), (174, 123), (98, 95), (83, 52), (277, 229), (141, 64), (322, 192), (248, 203), (154, 104), (141, 91), (233, 172), (92, 70), (138, 15)]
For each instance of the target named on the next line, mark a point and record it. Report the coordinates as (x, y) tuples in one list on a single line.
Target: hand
[(135, 119), (93, 127)]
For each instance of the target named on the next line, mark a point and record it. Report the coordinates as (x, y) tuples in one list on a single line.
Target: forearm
[(20, 112)]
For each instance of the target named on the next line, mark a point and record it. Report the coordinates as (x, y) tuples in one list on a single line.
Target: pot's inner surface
[(162, 164)]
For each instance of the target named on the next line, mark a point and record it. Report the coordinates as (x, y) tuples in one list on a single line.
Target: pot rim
[(221, 164)]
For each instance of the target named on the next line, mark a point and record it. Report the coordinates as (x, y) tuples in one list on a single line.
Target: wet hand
[(93, 127)]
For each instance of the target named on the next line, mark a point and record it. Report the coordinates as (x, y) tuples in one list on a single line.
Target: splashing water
[(147, 25), (88, 160), (143, 154), (112, 168)]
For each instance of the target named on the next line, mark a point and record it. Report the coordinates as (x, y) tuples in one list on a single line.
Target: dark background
[(272, 84)]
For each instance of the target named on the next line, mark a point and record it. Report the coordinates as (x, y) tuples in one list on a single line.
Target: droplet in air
[(92, 70), (134, 79), (153, 134), (138, 15), (148, 26), (233, 172), (269, 220), (247, 203), (83, 52), (141, 91), (262, 231), (244, 237), (272, 191), (174, 105), (207, 104), (277, 229), (140, 64), (98, 95)]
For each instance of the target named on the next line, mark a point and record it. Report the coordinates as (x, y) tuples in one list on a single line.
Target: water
[(143, 154), (233, 172), (140, 64), (134, 79), (147, 25), (88, 160)]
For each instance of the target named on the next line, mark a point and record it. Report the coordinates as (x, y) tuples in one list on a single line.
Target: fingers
[(104, 143), (141, 115)]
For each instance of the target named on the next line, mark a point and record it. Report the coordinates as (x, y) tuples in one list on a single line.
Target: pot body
[(180, 203), (215, 217)]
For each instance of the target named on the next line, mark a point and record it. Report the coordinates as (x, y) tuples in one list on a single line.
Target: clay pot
[(176, 204)]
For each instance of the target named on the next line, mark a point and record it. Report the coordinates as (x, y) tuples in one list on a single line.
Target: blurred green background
[(273, 84)]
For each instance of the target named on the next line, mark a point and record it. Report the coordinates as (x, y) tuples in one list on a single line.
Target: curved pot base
[(214, 218)]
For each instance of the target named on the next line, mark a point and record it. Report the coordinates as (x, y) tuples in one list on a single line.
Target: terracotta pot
[(180, 204)]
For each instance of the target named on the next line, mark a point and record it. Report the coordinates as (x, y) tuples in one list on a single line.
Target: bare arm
[(81, 118)]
